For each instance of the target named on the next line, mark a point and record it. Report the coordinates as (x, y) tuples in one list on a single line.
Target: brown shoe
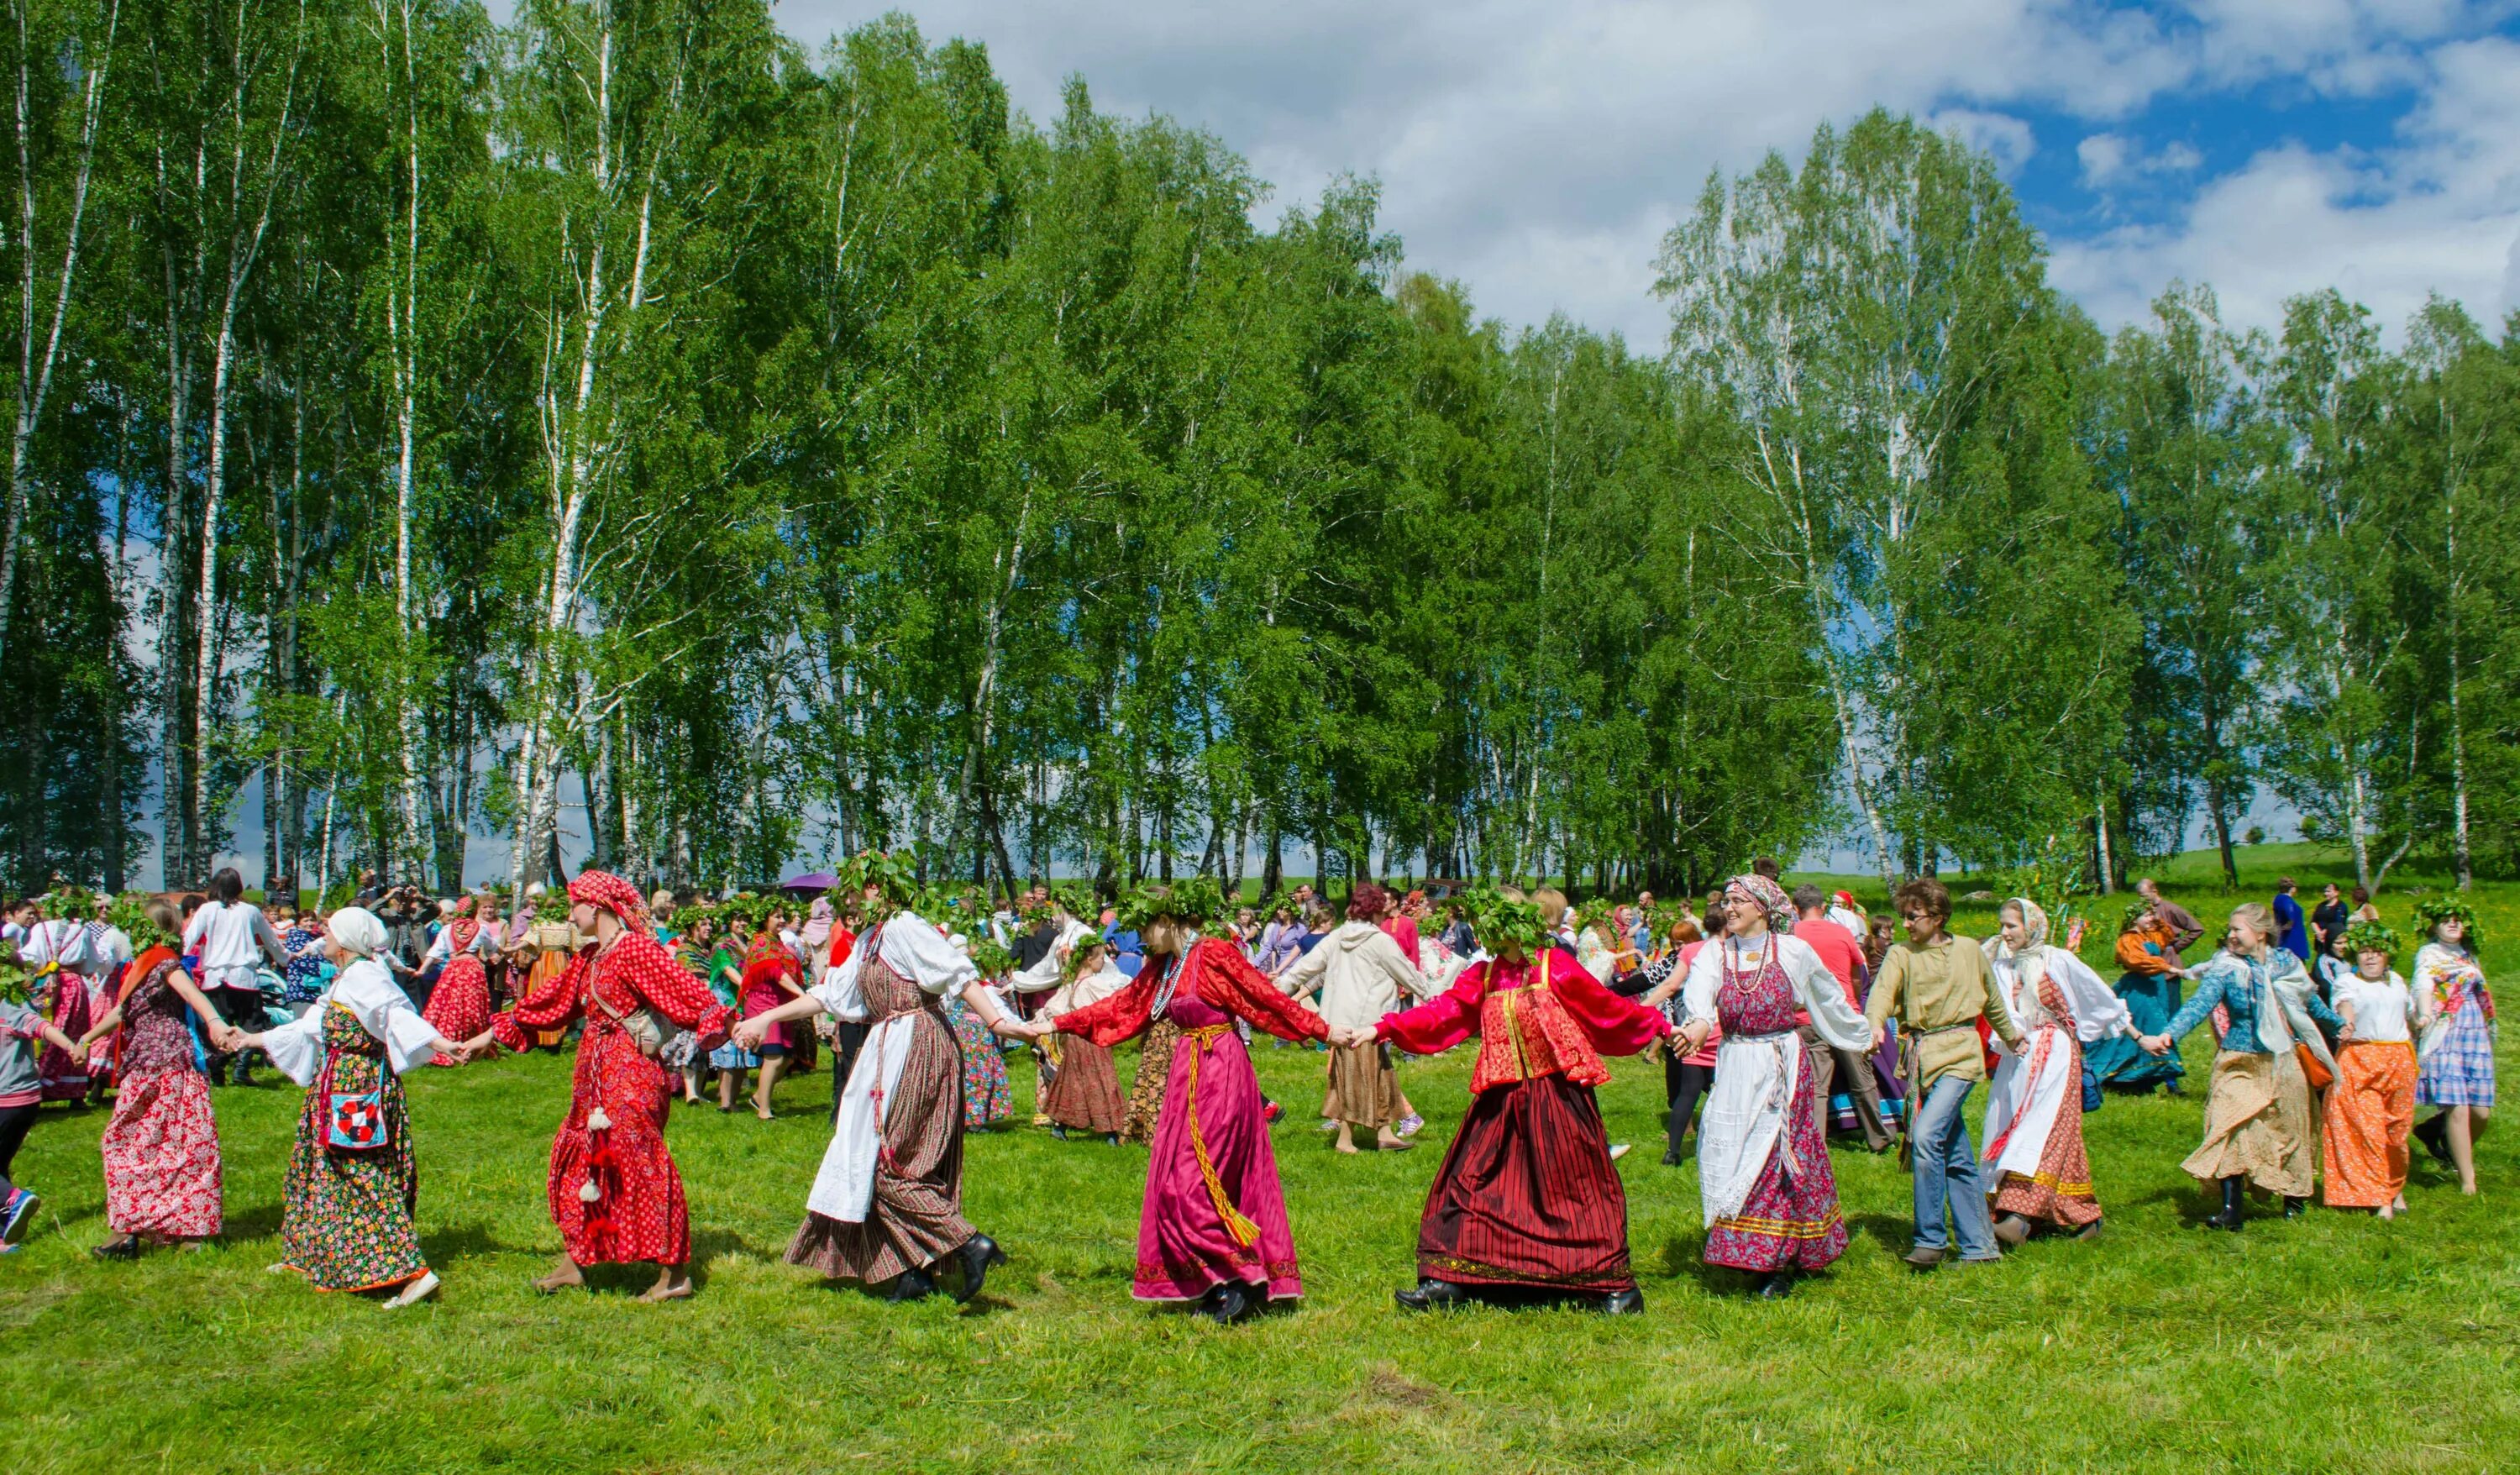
[(2012, 1228), (1925, 1259)]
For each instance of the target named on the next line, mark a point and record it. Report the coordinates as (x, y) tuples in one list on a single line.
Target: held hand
[(2153, 1044), (1693, 1037), (749, 1033), (1880, 1032)]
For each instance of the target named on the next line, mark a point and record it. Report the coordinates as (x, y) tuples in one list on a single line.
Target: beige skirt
[(2256, 1126), (1363, 1091)]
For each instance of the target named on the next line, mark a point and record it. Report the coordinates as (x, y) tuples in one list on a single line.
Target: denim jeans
[(1946, 1164)]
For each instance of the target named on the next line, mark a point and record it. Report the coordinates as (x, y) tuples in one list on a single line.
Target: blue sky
[(1537, 150)]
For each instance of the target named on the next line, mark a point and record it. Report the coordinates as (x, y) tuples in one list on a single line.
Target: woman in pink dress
[(1213, 1228), (161, 1149)]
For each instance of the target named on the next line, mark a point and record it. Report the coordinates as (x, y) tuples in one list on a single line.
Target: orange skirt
[(2370, 1113)]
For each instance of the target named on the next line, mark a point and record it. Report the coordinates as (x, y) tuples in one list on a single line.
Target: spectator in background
[(1843, 910), (1843, 956), (1641, 938), (2363, 910), (2185, 929), (2292, 929), (2329, 919)]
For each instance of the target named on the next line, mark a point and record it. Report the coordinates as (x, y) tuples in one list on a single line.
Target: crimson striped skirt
[(1527, 1195)]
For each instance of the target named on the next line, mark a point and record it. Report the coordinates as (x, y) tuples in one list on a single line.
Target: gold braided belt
[(1245, 1233)]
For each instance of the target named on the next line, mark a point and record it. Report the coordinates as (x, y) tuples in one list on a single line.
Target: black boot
[(2294, 1208), (1430, 1294), (1623, 1303), (976, 1255), (2434, 1134), (2230, 1218), (1225, 1302), (1059, 1131), (912, 1285), (1775, 1288)]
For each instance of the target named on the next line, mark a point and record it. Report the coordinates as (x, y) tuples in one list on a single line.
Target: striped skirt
[(1527, 1195)]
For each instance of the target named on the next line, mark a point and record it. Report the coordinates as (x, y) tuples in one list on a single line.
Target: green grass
[(2336, 1342)]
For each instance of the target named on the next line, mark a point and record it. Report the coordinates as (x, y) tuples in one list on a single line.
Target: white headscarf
[(356, 930)]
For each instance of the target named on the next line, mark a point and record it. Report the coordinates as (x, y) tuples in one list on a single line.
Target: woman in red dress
[(1527, 1205), (1213, 1226), (459, 1007), (613, 1189), (770, 979)]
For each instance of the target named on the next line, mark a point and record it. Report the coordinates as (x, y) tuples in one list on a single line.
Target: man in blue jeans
[(1937, 984)]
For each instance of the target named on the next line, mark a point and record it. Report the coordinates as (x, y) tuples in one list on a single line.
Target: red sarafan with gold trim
[(1534, 1019)]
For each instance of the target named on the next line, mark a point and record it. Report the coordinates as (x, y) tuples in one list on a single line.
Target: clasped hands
[(1350, 1038)]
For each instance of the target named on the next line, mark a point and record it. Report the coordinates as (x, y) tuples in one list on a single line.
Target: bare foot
[(1388, 1141), (1349, 1148), (565, 1276), (669, 1286)]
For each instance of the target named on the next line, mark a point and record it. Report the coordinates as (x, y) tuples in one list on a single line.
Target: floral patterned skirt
[(1146, 1093), (345, 1218), (161, 1156), (986, 1096)]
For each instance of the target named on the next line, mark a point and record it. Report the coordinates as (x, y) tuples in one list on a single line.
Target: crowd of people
[(1784, 1019)]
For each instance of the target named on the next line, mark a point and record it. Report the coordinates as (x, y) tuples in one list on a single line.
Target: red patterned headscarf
[(768, 946), (465, 926), (602, 888)]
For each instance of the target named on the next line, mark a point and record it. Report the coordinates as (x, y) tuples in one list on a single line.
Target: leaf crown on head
[(2371, 937), (2433, 910), (1498, 918), (891, 874), (1197, 899), (130, 912), (992, 960)]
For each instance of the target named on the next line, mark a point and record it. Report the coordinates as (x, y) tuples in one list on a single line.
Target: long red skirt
[(460, 1007), (1527, 1195), (162, 1157)]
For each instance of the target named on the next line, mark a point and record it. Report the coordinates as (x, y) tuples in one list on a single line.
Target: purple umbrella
[(819, 881)]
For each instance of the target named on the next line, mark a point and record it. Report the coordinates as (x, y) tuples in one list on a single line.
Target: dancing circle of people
[(1758, 1010)]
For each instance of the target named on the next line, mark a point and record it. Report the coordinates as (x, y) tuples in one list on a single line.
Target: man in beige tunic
[(1936, 985)]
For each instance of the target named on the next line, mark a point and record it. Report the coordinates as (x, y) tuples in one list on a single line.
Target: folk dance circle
[(1769, 1013)]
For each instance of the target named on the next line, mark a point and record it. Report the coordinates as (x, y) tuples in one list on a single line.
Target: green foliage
[(2372, 937), (1499, 920)]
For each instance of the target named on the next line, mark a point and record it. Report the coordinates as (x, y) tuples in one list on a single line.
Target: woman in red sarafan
[(1527, 1205), (614, 1192), (459, 1007), (1212, 1228)]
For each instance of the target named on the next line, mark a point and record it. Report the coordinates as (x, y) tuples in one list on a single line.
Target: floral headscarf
[(602, 888), (465, 928), (1770, 896)]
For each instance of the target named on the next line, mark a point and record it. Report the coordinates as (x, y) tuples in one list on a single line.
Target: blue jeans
[(1946, 1164)]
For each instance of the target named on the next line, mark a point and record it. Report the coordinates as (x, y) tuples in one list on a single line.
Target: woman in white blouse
[(231, 941), (2371, 1107), (347, 1202)]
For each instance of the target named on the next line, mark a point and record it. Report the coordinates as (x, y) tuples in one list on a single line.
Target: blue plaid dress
[(2458, 1069)]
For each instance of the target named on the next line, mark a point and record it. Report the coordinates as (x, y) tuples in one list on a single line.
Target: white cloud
[(2110, 158), (1536, 148), (2435, 209)]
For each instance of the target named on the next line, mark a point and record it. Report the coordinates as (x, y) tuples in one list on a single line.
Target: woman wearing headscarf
[(162, 1149), (2259, 1127), (1084, 1089), (2033, 1108), (613, 1189), (459, 1007), (1212, 1228), (1527, 1202), (1764, 1179), (886, 1206), (353, 1183)]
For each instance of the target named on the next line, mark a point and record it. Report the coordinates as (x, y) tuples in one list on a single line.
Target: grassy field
[(2335, 1342)]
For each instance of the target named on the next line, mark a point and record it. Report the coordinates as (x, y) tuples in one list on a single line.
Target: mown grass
[(2333, 1342)]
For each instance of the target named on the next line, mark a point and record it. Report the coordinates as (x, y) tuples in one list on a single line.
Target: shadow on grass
[(465, 1241), (261, 1222), (1895, 1235)]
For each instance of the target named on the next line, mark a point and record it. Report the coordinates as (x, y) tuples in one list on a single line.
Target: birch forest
[(627, 431)]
